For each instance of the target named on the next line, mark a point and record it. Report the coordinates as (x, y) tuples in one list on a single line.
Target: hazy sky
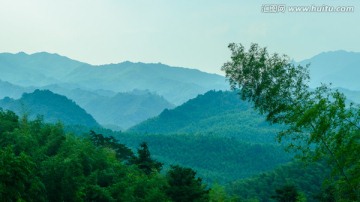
[(179, 33)]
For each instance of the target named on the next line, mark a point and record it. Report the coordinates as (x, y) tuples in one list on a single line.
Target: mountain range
[(119, 96), (52, 107), (175, 84)]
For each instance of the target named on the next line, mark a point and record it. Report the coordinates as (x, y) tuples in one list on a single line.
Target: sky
[(193, 34)]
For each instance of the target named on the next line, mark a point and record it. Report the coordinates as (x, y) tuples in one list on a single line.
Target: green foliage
[(8, 121), (18, 181), (287, 193), (327, 195), (307, 178), (122, 152), (215, 112), (218, 193), (144, 161), (39, 162), (319, 123), (184, 186), (215, 158)]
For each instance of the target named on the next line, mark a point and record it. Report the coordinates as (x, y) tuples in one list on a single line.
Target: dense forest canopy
[(40, 162)]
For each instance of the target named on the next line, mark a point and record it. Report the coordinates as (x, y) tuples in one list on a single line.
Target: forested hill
[(215, 112), (52, 107)]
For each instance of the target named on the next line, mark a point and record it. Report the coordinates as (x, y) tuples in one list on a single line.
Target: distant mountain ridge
[(175, 84), (37, 69), (341, 68), (14, 91), (117, 111), (94, 87), (51, 106)]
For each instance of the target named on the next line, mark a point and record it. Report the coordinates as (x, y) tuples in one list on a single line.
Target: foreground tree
[(184, 186), (144, 160), (319, 123), (287, 193), (122, 152)]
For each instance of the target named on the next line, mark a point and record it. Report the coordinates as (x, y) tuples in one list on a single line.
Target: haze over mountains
[(117, 95), (122, 95), (116, 111), (40, 69), (13, 91), (341, 68)]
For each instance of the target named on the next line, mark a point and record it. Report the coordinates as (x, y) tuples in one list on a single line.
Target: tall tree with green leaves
[(287, 193), (122, 152), (144, 161), (319, 123), (184, 186)]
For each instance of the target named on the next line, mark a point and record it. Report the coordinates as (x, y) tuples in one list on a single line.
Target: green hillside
[(216, 112), (52, 107), (215, 158), (306, 179)]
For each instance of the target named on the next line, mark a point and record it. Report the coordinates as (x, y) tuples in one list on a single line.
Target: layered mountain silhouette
[(13, 91), (175, 84), (122, 95), (37, 69), (52, 107), (116, 111)]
